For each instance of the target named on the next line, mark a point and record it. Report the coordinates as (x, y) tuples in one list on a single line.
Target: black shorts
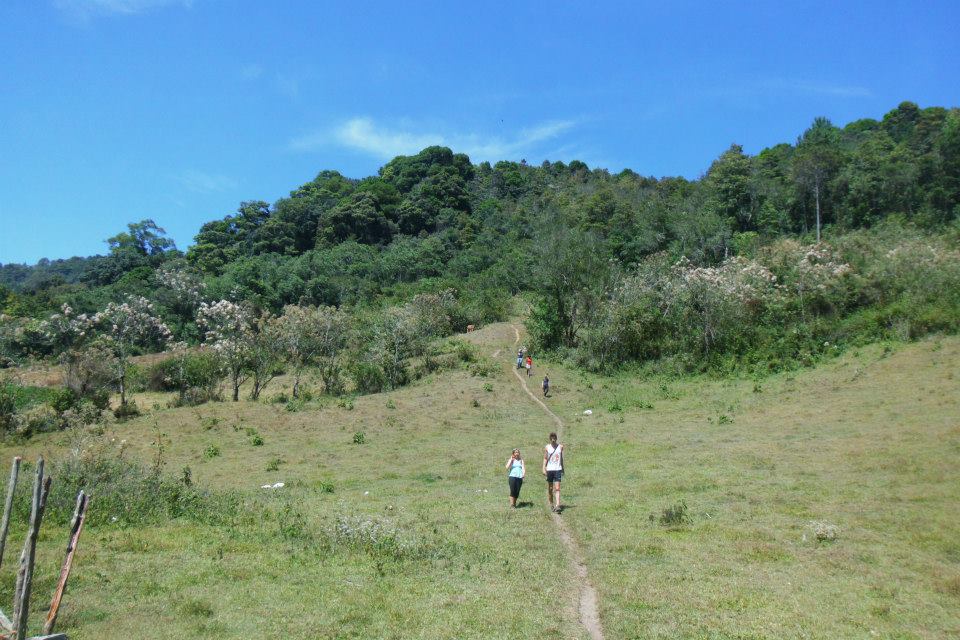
[(515, 484), (554, 476)]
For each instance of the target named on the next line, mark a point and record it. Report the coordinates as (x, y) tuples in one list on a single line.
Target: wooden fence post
[(41, 488), (8, 505), (76, 526)]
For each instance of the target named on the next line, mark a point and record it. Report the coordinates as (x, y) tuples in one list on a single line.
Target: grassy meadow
[(407, 533)]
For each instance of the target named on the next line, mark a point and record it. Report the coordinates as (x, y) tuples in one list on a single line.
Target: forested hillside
[(848, 234)]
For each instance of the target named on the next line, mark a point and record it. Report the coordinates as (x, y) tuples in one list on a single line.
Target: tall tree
[(816, 160), (728, 182)]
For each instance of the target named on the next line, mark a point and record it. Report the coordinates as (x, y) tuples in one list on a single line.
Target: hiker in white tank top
[(553, 469)]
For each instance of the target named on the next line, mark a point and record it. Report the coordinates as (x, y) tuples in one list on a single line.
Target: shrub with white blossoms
[(229, 330), (816, 274), (397, 337), (184, 289), (65, 330), (711, 303), (123, 327), (921, 266), (313, 336)]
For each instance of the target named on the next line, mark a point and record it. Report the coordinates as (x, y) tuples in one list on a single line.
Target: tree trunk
[(236, 387), (816, 195), (123, 388)]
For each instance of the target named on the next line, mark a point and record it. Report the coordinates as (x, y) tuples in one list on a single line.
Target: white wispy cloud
[(86, 8), (819, 88), (201, 182), (364, 134)]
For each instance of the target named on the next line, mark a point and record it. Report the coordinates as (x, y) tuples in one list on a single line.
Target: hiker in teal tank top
[(516, 471)]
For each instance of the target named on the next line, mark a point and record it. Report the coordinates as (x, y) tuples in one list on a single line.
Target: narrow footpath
[(587, 604)]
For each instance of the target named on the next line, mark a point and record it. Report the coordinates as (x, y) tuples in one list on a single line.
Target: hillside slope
[(867, 443)]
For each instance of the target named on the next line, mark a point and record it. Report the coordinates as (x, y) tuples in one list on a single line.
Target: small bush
[(274, 464), (359, 437), (483, 369), (325, 487), (824, 532), (126, 411), (368, 377), (64, 399), (292, 525), (345, 403), (37, 419), (194, 396), (199, 370), (674, 516), (374, 536), (488, 387), (212, 451), (464, 351), (256, 440)]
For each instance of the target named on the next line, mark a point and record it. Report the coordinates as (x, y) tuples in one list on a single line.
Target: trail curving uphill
[(587, 605)]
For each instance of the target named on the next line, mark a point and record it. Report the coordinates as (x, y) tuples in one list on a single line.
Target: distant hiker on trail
[(519, 357), (546, 386), (553, 469), (529, 366), (517, 470)]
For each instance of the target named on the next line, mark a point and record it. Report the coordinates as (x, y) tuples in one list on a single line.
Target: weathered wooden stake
[(22, 567), (8, 505), (41, 487), (76, 526)]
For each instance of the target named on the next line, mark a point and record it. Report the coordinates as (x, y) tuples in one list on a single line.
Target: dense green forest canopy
[(566, 233)]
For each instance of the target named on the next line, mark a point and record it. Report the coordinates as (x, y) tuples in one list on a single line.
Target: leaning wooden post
[(41, 488), (8, 505), (76, 526), (22, 567)]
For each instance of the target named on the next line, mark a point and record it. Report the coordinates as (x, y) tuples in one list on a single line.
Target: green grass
[(867, 443), (426, 548)]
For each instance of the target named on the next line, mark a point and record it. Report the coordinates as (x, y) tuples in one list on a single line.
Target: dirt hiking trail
[(588, 607)]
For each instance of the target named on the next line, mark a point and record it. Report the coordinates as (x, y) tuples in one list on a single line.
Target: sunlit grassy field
[(867, 443)]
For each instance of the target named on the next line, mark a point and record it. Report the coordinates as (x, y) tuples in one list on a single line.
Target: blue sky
[(112, 111)]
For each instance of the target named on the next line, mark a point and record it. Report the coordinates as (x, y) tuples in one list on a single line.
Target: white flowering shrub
[(397, 337), (229, 331), (921, 268), (314, 336), (816, 278), (89, 371), (124, 327), (180, 291), (709, 306), (186, 288), (433, 313), (65, 330)]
